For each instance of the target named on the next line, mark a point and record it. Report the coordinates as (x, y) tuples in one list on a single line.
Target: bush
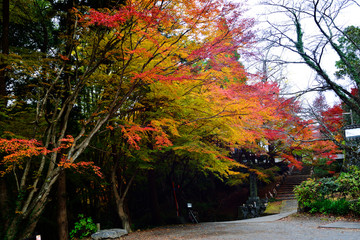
[(327, 187), (349, 183), (327, 206), (340, 207), (355, 207), (83, 228), (306, 193), (324, 167), (320, 206), (321, 195)]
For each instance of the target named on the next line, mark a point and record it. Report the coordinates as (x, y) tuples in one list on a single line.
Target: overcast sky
[(299, 75)]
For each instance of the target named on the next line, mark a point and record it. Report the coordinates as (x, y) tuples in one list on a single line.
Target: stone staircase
[(285, 191)]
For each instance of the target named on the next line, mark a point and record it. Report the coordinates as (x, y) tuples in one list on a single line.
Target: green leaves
[(349, 44), (84, 227), (335, 195)]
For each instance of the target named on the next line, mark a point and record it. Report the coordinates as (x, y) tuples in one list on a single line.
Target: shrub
[(312, 189), (321, 195), (306, 193), (340, 207), (355, 207), (327, 187), (320, 206), (83, 228), (349, 183), (325, 167), (328, 206)]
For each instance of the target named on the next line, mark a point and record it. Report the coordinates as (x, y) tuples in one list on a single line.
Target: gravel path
[(281, 226), (293, 227)]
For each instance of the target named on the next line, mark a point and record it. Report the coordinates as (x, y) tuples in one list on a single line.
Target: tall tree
[(4, 49), (117, 53), (311, 46), (3, 93)]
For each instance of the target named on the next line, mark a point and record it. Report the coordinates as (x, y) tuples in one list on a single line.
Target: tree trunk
[(3, 102), (4, 50), (62, 209), (123, 215), (154, 201), (3, 205), (22, 224), (120, 199)]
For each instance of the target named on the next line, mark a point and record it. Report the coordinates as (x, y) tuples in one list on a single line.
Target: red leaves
[(17, 150), (132, 135), (292, 161), (329, 162), (135, 133), (131, 12), (106, 19), (162, 140), (333, 118), (81, 167), (65, 58)]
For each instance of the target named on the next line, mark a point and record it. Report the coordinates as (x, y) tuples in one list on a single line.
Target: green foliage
[(323, 195), (349, 44), (349, 183), (328, 186), (325, 168), (306, 192), (355, 207), (84, 227), (328, 206)]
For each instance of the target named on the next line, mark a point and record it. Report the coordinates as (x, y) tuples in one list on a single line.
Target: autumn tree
[(33, 31), (112, 54), (163, 111)]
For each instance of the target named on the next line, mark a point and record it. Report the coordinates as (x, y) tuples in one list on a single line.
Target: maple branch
[(328, 133), (16, 179), (217, 115)]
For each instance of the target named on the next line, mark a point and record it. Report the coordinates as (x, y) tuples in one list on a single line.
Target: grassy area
[(273, 207)]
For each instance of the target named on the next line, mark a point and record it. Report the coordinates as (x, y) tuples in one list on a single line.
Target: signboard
[(352, 133)]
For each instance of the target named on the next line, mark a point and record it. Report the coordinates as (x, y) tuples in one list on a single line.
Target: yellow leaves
[(171, 125), (179, 58), (260, 175), (238, 178)]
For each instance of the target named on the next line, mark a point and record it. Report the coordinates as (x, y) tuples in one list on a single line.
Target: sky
[(300, 76)]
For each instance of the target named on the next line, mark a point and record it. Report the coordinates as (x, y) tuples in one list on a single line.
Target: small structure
[(254, 206)]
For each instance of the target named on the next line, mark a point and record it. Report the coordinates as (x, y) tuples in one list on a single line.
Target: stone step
[(285, 198), (286, 190), (286, 194)]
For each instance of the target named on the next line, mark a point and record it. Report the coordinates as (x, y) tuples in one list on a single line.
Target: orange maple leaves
[(134, 134), (17, 151)]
